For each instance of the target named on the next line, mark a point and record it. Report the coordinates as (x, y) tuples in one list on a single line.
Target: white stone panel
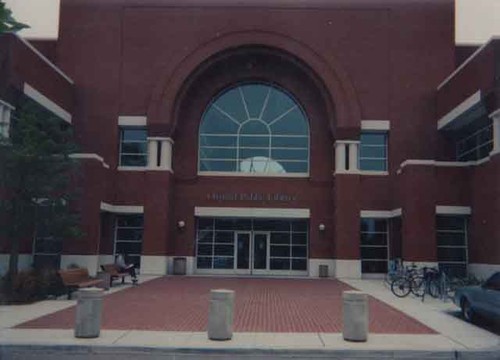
[(154, 265), (25, 262), (483, 271), (349, 269), (314, 267)]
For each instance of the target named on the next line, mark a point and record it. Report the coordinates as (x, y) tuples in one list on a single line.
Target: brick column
[(418, 184)]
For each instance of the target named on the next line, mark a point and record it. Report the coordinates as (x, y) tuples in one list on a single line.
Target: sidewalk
[(438, 315), (455, 339)]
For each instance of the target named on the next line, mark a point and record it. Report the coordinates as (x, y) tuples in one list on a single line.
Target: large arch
[(341, 100)]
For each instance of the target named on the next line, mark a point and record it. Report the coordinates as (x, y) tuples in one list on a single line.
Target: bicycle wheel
[(434, 288), (417, 286), (389, 278), (401, 287)]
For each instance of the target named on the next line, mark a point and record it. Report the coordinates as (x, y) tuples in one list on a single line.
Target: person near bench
[(124, 267)]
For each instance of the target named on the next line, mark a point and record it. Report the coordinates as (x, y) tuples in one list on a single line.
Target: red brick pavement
[(262, 305)]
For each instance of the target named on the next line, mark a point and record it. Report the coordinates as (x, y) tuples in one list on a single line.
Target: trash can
[(106, 280), (179, 266), (221, 315), (88, 313), (355, 315), (323, 271)]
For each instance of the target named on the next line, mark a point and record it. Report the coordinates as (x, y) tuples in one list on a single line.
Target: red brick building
[(271, 137)]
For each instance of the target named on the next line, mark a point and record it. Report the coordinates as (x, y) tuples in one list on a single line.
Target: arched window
[(254, 128)]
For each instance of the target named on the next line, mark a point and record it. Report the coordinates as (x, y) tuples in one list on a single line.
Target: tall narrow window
[(47, 246), (374, 245), (133, 147), (255, 129), (5, 112), (128, 237), (475, 144), (373, 151), (451, 233)]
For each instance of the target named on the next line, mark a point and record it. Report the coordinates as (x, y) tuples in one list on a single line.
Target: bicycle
[(396, 270), (409, 282), (429, 283), (448, 286)]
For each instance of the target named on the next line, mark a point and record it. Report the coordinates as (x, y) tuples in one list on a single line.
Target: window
[(133, 147), (373, 151), (374, 245), (47, 246), (254, 128), (128, 237), (476, 144), (5, 112), (217, 243), (451, 233)]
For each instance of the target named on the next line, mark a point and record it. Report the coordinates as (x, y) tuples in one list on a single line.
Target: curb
[(77, 352)]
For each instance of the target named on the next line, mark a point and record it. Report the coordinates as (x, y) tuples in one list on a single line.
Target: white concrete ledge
[(252, 175), (122, 209), (133, 168), (6, 104), (428, 162), (466, 62), (280, 213), (467, 104), (90, 157), (453, 210), (132, 121), (373, 173), (47, 61), (376, 125), (381, 214), (46, 102)]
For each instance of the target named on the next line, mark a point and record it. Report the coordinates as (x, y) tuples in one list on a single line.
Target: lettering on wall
[(251, 197)]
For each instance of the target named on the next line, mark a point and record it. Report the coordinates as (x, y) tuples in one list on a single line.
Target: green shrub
[(32, 285), (27, 287)]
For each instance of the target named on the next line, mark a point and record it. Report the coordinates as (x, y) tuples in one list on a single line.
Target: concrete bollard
[(355, 315), (88, 313), (220, 315)]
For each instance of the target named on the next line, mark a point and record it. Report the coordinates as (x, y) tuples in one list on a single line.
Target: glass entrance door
[(260, 251), (251, 246), (252, 252), (243, 251)]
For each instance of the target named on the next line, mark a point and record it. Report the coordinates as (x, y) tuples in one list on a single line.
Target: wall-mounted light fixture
[(321, 227), (181, 224)]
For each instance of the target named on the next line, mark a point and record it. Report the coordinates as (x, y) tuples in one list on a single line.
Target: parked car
[(481, 300)]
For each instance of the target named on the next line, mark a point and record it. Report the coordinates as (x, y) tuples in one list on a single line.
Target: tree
[(7, 21), (36, 173)]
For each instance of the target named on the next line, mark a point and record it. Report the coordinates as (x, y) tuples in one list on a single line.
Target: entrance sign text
[(251, 197)]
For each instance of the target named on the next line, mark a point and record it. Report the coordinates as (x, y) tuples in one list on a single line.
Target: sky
[(476, 20)]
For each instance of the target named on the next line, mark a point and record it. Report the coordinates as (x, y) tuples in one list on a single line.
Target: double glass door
[(251, 246), (252, 251)]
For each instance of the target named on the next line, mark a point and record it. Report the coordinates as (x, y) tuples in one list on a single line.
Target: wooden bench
[(114, 273), (74, 279)]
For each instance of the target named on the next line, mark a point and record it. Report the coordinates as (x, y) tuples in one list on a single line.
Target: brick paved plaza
[(262, 305)]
